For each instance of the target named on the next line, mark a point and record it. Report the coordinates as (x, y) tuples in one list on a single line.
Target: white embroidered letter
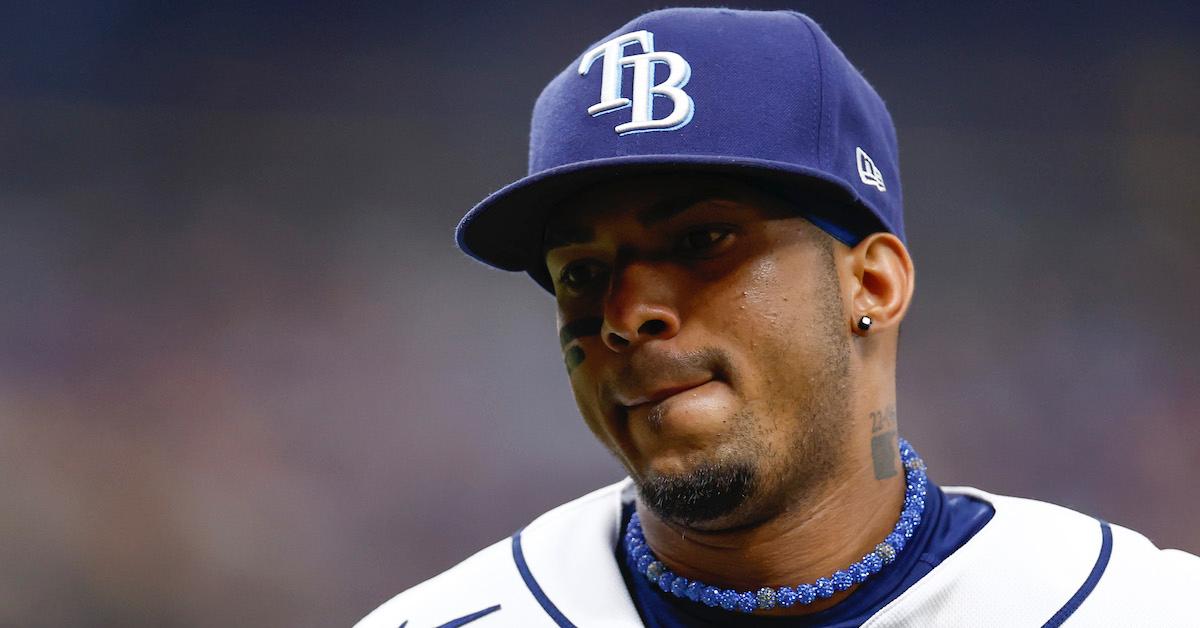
[(644, 88)]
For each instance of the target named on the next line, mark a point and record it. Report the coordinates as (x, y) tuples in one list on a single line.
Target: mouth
[(662, 395), (658, 395)]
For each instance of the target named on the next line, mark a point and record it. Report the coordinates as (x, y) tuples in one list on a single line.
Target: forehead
[(648, 200)]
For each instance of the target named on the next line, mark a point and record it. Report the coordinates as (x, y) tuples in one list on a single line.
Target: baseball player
[(714, 201)]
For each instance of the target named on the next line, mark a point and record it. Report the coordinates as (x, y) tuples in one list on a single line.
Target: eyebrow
[(568, 234)]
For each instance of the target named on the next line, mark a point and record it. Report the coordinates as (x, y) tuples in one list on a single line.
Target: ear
[(883, 281)]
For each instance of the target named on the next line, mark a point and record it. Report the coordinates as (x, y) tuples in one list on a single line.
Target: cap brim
[(505, 229)]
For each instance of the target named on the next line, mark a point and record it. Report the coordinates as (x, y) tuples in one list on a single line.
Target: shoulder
[(1035, 562), (522, 580), (1028, 522)]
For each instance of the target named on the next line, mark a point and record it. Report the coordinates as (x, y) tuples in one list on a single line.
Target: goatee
[(706, 493)]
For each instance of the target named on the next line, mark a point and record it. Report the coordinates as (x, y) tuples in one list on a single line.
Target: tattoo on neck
[(573, 331), (883, 420), (883, 442)]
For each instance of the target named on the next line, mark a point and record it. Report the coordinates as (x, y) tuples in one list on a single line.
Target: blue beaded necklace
[(643, 561)]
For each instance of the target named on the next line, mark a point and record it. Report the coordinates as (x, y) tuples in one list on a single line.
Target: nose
[(640, 307)]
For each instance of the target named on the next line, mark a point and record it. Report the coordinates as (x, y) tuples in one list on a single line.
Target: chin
[(704, 496)]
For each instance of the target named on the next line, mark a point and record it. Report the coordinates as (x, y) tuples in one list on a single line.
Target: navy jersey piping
[(1106, 543), (534, 587), (466, 619)]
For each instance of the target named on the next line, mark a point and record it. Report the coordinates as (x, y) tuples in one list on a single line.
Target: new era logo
[(867, 170)]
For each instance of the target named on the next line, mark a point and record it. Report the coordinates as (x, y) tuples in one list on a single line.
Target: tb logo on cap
[(644, 89)]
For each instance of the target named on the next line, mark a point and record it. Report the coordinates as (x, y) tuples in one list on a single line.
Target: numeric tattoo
[(884, 447)]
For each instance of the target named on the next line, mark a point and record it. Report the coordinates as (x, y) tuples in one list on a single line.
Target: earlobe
[(884, 281)]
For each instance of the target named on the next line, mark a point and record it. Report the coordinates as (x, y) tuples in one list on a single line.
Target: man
[(714, 200)]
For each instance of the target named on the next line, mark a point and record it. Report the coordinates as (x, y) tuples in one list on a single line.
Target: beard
[(711, 490), (743, 480), (744, 483)]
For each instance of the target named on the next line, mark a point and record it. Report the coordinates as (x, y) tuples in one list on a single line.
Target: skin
[(707, 328)]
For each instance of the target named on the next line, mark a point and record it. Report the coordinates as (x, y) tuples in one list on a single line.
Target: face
[(706, 342)]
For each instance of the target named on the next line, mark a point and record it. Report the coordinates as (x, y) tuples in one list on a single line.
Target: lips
[(656, 394)]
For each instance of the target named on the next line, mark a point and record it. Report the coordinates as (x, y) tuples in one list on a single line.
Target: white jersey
[(1033, 564)]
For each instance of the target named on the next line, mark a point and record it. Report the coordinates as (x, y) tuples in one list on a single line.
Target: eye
[(706, 240), (581, 275)]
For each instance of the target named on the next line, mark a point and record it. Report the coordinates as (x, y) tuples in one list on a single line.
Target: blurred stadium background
[(247, 380)]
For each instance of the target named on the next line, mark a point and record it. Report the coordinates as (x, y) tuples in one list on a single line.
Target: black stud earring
[(864, 322)]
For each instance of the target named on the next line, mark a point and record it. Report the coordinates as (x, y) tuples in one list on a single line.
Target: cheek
[(773, 323), (614, 436), (583, 378), (579, 339), (785, 292), (583, 386), (765, 295), (578, 322), (758, 305)]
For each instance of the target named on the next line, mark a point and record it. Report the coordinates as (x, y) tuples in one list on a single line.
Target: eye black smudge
[(575, 330), (579, 329), (573, 358)]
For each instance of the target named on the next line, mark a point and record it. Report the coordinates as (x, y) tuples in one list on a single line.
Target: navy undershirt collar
[(950, 521)]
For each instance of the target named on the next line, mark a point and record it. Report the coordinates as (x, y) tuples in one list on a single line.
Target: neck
[(814, 536)]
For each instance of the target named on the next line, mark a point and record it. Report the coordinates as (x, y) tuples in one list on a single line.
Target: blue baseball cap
[(760, 95)]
